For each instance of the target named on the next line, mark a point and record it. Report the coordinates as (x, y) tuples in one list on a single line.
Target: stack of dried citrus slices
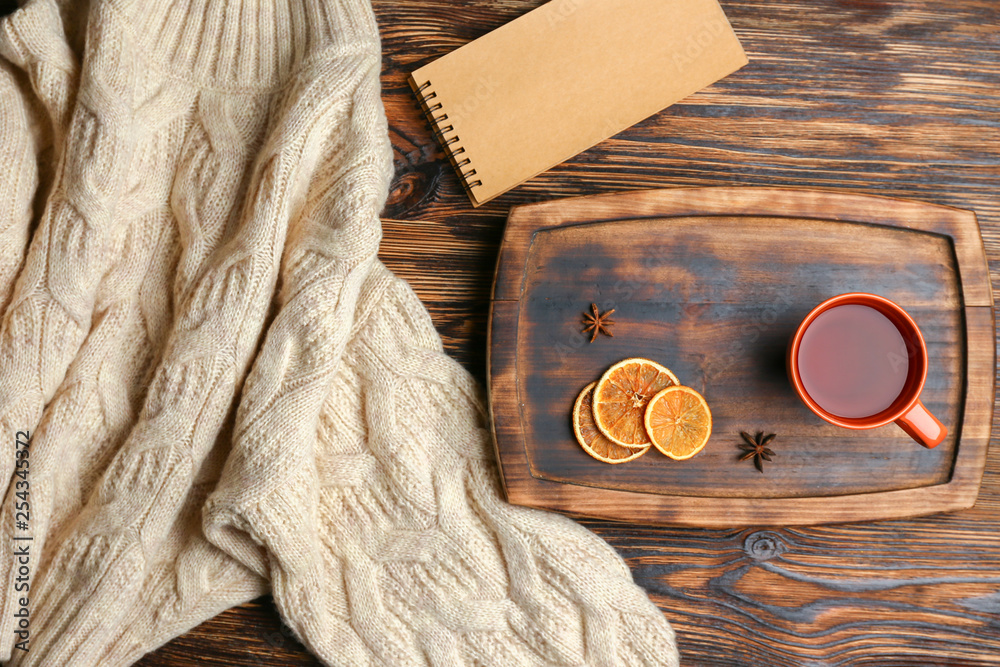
[(637, 404)]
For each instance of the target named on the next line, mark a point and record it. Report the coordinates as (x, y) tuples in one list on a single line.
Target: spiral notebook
[(554, 82)]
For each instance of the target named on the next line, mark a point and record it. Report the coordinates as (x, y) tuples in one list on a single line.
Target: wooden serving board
[(711, 283)]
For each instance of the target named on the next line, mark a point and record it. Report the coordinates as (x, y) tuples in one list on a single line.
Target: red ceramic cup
[(906, 410)]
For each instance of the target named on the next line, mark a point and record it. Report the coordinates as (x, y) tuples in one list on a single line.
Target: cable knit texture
[(188, 147), (196, 167), (19, 147)]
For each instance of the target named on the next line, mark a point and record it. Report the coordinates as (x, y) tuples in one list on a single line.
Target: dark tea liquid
[(852, 361)]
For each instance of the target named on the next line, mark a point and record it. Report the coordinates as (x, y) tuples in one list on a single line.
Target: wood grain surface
[(712, 282), (900, 98)]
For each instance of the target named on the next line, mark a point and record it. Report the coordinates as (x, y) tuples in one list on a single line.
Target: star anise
[(598, 322), (756, 447)]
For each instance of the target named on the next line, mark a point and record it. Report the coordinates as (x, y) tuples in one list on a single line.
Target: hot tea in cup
[(859, 361)]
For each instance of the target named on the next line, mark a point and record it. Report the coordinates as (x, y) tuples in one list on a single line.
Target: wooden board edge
[(711, 512), (509, 275), (972, 262), (501, 383), (980, 396), (735, 201)]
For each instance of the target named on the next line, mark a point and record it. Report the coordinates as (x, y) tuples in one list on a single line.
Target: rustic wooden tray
[(711, 282)]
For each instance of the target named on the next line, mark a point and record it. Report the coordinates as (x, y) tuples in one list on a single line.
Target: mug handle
[(922, 426)]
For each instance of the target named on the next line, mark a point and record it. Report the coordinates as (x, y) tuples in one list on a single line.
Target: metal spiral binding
[(445, 134)]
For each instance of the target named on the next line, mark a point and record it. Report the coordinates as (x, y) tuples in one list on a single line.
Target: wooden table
[(893, 98)]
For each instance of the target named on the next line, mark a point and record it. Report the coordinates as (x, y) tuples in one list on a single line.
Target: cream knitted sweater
[(227, 392)]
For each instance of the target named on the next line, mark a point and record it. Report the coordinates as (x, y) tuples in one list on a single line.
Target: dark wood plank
[(895, 97)]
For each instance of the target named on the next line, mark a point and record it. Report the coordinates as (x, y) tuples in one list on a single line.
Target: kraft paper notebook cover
[(566, 76)]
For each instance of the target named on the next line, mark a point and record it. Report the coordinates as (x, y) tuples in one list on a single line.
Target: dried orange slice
[(621, 397), (591, 439), (678, 422)]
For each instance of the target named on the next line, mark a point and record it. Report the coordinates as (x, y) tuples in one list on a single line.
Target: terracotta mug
[(906, 409)]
